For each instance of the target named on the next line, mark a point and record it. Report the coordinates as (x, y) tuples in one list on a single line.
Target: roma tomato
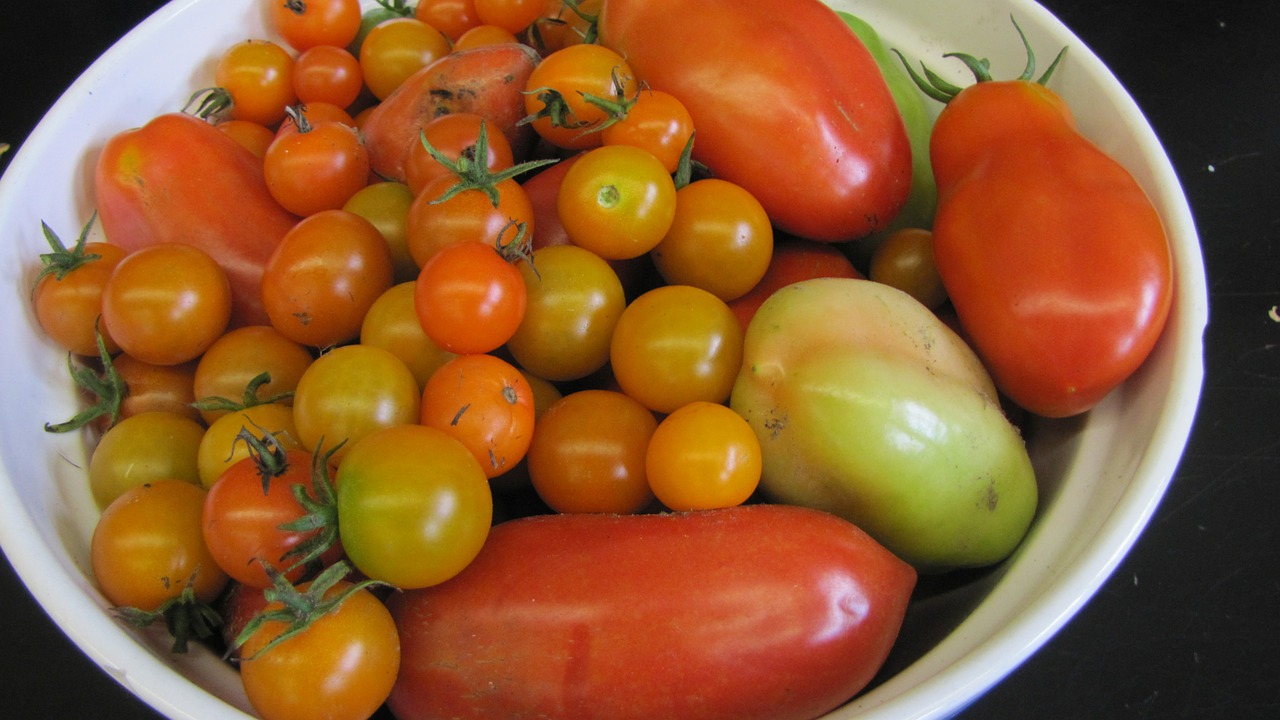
[(342, 665), (486, 404), (788, 104), (821, 602), (68, 292), (470, 298), (179, 179), (588, 453), (674, 345), (617, 201), (703, 456), (324, 276), (147, 547), (167, 303), (1054, 257), (415, 507), (350, 392)]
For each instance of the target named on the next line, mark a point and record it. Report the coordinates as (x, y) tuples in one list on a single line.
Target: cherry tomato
[(415, 506), (167, 303), (574, 302), (655, 121), (510, 15), (233, 360), (396, 49), (68, 294), (793, 260), (324, 275), (703, 456), (147, 547), (468, 216), (327, 73), (486, 404), (317, 167), (259, 76), (560, 25), (350, 392), (451, 17), (720, 240), (342, 665), (245, 513), (454, 135), (169, 388), (470, 298), (904, 260), (221, 447), (304, 24), (617, 201), (588, 453), (392, 324), (554, 94), (674, 345), (315, 113), (386, 205), (144, 448), (254, 137), (482, 35)]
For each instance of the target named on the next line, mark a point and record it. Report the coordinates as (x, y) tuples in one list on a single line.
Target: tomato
[(634, 609), (793, 260), (486, 404), (326, 73), (468, 216), (321, 280), (482, 35), (259, 76), (318, 167), (451, 17), (68, 292), (562, 24), (415, 506), (655, 121), (720, 240), (470, 298), (454, 135), (252, 136), (905, 260), (617, 201), (147, 547), (247, 510), (395, 50), (1054, 257), (674, 345), (222, 447), (787, 102), (178, 179), (169, 388), (588, 453), (235, 359), (352, 391), (510, 15), (879, 413), (166, 303), (555, 95), (703, 456), (342, 665), (147, 447), (304, 24), (386, 205), (574, 302), (392, 324), (314, 113)]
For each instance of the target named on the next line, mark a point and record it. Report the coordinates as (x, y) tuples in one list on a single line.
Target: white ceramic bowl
[(1102, 475)]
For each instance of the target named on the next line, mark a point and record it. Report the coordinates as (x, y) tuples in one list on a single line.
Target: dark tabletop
[(1189, 624)]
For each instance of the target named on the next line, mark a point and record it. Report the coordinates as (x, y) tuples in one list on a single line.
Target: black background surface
[(1189, 625)]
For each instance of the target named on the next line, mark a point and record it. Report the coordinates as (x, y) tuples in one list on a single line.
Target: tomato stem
[(108, 388), (185, 616), (472, 168)]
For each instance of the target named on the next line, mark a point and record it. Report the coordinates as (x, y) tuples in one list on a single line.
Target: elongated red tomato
[(761, 611), (179, 179), (1054, 257), (787, 101)]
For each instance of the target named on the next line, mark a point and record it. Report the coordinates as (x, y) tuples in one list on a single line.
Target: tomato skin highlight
[(787, 103), (1053, 255), (626, 618), (180, 179)]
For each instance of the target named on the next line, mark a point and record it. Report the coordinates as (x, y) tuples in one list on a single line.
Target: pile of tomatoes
[(556, 304)]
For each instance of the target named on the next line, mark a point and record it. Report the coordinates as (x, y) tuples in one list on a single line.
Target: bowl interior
[(1101, 475)]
